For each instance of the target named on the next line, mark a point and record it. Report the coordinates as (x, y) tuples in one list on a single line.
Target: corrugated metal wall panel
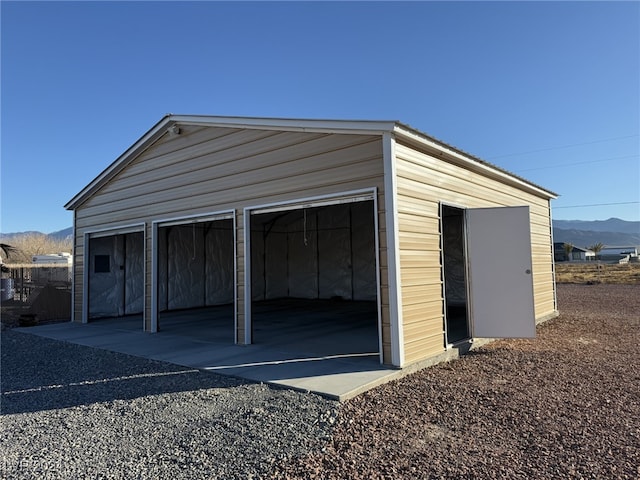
[(423, 182), (78, 276), (418, 224), (419, 333), (414, 314), (245, 179), (190, 136), (419, 294), (547, 307), (228, 199), (422, 348), (212, 169), (245, 157), (420, 275)]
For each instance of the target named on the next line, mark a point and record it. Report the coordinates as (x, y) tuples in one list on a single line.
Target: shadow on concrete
[(43, 374), (329, 348)]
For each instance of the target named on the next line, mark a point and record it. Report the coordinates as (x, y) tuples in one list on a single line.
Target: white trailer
[(52, 267)]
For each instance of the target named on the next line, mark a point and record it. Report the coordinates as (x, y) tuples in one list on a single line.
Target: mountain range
[(62, 234), (611, 232), (58, 235), (582, 233)]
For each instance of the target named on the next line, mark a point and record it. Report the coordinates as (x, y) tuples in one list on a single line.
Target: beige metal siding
[(209, 169), (423, 182), (78, 276), (212, 169), (249, 174), (240, 330)]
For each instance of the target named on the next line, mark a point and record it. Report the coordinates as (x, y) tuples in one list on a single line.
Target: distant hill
[(586, 238), (610, 225), (582, 233), (612, 232), (28, 244), (62, 234), (59, 235), (8, 236)]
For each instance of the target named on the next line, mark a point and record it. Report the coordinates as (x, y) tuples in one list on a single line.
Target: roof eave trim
[(361, 127), (450, 153)]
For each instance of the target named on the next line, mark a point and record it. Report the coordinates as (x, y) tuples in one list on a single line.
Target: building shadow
[(44, 374)]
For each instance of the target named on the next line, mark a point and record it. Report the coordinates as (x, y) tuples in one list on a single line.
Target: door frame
[(525, 328), (188, 220), (108, 232), (367, 194), (463, 210)]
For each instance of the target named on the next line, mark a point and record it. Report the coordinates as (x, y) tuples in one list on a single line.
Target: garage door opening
[(115, 275), (455, 274), (196, 278), (313, 278)]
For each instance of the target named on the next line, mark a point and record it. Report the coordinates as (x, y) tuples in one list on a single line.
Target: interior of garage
[(313, 277), (455, 275), (116, 275), (196, 277)]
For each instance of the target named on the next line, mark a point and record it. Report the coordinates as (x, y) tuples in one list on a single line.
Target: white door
[(500, 279)]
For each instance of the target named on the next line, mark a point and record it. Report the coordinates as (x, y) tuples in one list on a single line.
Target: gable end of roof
[(360, 127)]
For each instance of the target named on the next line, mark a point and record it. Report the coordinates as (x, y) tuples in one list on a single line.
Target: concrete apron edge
[(393, 373), (452, 353)]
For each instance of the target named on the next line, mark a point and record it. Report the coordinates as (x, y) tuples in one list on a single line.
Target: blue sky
[(547, 90)]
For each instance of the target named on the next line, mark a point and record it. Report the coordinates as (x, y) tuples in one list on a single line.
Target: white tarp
[(219, 262), (302, 262), (196, 265), (134, 273), (334, 258), (363, 248), (116, 279), (318, 252)]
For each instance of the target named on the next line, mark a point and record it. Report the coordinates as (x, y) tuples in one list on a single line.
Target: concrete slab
[(336, 360)]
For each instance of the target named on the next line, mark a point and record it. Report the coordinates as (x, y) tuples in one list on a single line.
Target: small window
[(102, 264)]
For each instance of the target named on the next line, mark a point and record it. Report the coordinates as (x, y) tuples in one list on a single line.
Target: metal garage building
[(424, 246)]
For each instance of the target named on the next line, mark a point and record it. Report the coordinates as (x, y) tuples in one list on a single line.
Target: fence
[(35, 293)]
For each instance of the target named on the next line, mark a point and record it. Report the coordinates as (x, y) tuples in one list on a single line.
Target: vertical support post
[(351, 249), (318, 253), (393, 251)]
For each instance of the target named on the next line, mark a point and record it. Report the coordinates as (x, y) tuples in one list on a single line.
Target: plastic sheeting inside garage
[(116, 275), (196, 265), (323, 252)]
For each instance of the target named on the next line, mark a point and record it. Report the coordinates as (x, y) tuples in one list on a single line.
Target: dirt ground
[(563, 405), (596, 272)]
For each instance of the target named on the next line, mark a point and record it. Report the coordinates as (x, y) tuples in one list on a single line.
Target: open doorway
[(454, 263), (115, 275), (196, 277), (487, 273), (313, 277)]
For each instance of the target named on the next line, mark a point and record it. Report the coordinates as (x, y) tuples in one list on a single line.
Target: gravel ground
[(76, 412), (565, 405)]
